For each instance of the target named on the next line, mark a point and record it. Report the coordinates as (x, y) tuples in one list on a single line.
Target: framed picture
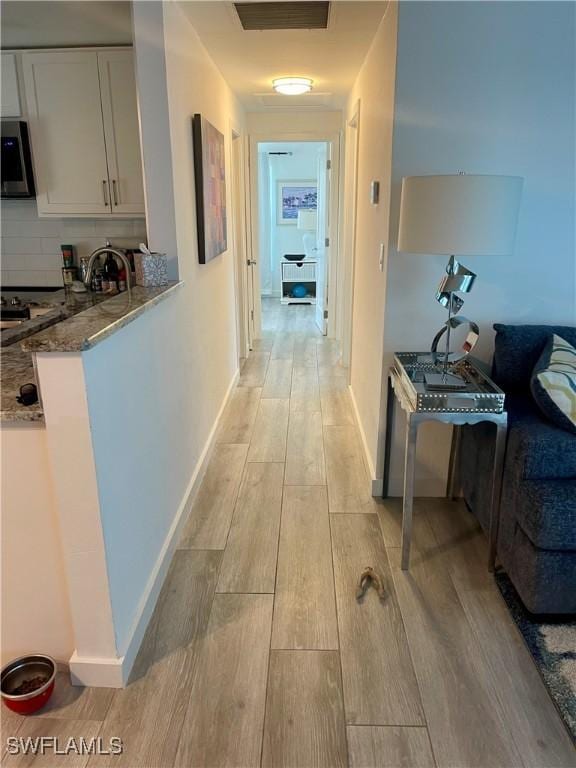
[(210, 183), (293, 196)]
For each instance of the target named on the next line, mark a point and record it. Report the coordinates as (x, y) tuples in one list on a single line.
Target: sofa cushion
[(553, 383), (517, 349), (546, 511), (544, 579), (537, 449)]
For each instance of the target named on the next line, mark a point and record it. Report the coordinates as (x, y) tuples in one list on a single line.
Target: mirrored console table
[(480, 400)]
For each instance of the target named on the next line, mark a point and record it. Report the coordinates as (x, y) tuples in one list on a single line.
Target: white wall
[(278, 239), (374, 88), (35, 611), (264, 224), (145, 447), (154, 417), (269, 124), (150, 68), (48, 24), (485, 88), (31, 253), (208, 322)]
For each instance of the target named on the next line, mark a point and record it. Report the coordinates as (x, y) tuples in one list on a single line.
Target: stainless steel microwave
[(16, 168)]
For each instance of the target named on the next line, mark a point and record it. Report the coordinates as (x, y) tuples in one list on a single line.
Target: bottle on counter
[(84, 267), (67, 255), (97, 282), (68, 276), (111, 271), (122, 279)]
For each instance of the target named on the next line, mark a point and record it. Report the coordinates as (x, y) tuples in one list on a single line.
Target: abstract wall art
[(210, 183)]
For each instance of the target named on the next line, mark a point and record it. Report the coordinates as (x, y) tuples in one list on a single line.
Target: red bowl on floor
[(20, 670)]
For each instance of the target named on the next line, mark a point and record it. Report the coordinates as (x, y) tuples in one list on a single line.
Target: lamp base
[(442, 382)]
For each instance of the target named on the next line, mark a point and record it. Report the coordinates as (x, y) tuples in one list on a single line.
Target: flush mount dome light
[(292, 86)]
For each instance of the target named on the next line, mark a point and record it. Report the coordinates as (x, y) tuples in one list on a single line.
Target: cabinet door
[(120, 111), (63, 97), (10, 101)]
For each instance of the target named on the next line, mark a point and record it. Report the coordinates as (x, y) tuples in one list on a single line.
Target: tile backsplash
[(31, 246)]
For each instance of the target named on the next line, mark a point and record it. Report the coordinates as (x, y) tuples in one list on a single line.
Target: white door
[(252, 269), (322, 238), (240, 267), (120, 112), (65, 114)]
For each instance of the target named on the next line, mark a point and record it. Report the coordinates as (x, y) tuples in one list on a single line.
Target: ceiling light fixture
[(292, 86)]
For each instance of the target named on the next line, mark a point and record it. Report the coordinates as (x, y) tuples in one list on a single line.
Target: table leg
[(499, 451), (388, 439), (409, 462), (453, 482)]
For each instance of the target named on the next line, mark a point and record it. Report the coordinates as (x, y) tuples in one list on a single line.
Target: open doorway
[(293, 203)]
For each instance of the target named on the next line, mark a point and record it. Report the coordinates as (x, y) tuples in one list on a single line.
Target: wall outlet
[(382, 256)]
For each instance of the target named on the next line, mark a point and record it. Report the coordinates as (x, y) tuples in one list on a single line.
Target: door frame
[(335, 139), (350, 205), (238, 221)]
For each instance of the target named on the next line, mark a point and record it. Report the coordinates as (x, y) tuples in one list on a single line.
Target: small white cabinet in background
[(298, 273), (84, 132)]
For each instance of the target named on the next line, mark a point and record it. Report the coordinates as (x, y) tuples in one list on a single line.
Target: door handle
[(250, 262), (105, 192), (114, 192)]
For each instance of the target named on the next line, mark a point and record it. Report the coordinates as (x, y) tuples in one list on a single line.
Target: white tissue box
[(151, 269)]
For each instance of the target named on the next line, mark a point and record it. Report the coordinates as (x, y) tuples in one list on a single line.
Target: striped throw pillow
[(553, 383)]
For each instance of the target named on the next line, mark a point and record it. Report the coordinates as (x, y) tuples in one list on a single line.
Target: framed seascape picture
[(210, 183), (293, 196)]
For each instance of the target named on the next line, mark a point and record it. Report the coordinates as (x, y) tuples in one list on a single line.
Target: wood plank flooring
[(258, 653), (304, 606)]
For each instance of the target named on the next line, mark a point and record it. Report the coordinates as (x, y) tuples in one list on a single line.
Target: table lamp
[(457, 215), (307, 222)]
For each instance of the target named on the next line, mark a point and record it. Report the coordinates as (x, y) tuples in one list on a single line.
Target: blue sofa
[(537, 537)]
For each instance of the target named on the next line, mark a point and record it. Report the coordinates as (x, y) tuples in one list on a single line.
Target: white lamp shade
[(459, 215), (306, 219)]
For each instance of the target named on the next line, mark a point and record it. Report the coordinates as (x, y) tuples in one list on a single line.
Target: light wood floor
[(259, 654)]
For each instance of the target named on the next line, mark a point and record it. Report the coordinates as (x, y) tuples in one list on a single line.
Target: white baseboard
[(96, 673), (377, 486), (376, 483), (114, 673)]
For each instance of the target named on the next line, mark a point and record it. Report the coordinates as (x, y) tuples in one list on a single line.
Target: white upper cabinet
[(120, 111), (84, 129), (10, 97), (63, 96)]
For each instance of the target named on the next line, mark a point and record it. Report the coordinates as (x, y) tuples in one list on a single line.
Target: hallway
[(258, 652)]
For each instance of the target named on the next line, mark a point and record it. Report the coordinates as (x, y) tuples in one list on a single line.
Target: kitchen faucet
[(115, 252)]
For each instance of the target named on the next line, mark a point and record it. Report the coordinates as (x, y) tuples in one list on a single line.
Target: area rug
[(553, 648)]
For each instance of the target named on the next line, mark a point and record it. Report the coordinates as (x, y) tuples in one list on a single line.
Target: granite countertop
[(88, 319), (91, 326), (61, 305), (17, 369)]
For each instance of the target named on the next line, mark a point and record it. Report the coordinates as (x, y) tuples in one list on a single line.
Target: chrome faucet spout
[(115, 252)]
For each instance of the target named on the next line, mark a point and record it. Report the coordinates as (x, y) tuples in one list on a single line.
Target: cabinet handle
[(114, 192), (105, 192)]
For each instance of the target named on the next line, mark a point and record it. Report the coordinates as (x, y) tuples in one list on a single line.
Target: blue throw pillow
[(553, 383)]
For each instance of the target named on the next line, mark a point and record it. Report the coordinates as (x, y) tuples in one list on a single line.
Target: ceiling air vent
[(299, 15)]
